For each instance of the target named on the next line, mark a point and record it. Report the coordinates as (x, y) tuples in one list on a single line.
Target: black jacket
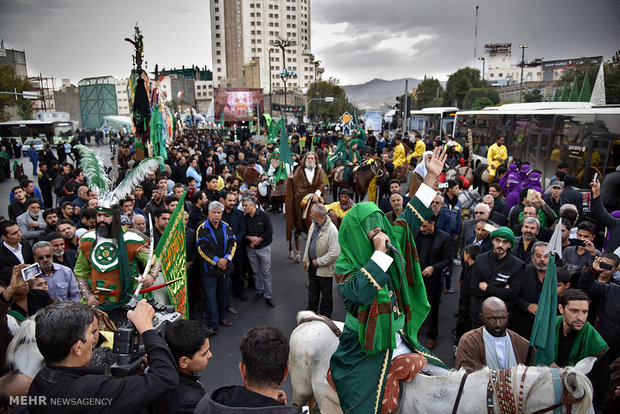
[(433, 250), (237, 399), (520, 251), (16, 209), (607, 314), (183, 399), (521, 321), (122, 395), (259, 225), (69, 256), (8, 259), (497, 274)]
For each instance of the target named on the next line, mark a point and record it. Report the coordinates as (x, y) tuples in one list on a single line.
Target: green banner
[(171, 253)]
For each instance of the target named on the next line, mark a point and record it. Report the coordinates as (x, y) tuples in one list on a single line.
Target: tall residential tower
[(243, 33)]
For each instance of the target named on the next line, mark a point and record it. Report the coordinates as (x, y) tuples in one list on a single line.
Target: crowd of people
[(91, 252)]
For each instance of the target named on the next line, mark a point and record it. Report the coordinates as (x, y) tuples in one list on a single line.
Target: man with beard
[(481, 236), (68, 230), (496, 273), (61, 256), (396, 201), (522, 317), (18, 206), (433, 247), (50, 216), (31, 223), (307, 182), (338, 209), (105, 264), (491, 345), (524, 244)]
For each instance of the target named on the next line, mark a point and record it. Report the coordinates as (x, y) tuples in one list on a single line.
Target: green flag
[(543, 331), (274, 128), (171, 253), (585, 94), (574, 93), (268, 120), (565, 93), (222, 119), (285, 150)]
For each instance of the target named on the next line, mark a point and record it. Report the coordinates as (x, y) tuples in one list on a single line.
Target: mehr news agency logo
[(59, 401)]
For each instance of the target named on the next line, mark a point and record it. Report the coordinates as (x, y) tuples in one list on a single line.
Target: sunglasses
[(47, 256)]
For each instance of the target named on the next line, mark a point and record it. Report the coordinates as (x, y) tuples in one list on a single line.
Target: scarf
[(588, 343), (377, 332), (347, 205)]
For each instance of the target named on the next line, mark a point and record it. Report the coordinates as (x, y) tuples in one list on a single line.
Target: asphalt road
[(290, 296)]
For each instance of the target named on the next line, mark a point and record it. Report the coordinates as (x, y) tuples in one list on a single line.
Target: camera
[(606, 266), (579, 242), (442, 185), (128, 346)]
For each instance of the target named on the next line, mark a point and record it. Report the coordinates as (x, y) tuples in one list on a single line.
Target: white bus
[(35, 129), (584, 136), (434, 121)]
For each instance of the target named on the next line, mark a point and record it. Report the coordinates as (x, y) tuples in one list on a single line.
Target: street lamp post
[(270, 91), (482, 59), (316, 67), (285, 75), (522, 47)]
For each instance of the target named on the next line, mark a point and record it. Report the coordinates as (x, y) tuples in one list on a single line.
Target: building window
[(217, 18), (217, 35), (499, 75), (217, 9), (217, 27)]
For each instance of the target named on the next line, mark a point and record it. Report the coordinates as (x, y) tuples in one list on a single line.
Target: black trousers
[(433, 293), (320, 287)]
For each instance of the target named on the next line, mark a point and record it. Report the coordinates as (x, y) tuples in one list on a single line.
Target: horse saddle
[(402, 368)]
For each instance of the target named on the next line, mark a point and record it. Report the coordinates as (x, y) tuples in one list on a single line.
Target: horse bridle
[(376, 171), (500, 385), (559, 380)]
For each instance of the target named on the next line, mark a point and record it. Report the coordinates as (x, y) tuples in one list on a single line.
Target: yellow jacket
[(496, 156), (399, 156), (419, 150)]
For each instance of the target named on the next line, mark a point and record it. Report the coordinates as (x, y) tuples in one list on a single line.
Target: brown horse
[(361, 178), (304, 210)]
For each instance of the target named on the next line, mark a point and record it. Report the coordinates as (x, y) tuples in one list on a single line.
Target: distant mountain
[(378, 93)]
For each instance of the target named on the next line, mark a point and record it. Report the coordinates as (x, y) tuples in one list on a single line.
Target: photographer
[(65, 334)]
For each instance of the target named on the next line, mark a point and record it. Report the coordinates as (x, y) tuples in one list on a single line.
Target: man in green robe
[(383, 292)]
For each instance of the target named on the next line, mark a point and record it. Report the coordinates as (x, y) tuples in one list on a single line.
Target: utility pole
[(405, 107), (285, 75), (522, 47)]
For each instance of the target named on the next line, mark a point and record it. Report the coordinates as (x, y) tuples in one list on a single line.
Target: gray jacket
[(28, 233), (327, 249)]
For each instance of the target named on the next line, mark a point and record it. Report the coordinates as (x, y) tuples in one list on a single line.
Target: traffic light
[(409, 107), (399, 104)]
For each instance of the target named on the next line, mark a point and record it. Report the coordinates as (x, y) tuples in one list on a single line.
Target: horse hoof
[(291, 255), (297, 256)]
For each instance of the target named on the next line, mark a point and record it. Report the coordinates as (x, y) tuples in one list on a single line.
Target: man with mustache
[(524, 244), (496, 273)]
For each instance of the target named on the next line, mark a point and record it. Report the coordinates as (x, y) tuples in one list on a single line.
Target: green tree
[(612, 79), (481, 103), (459, 83), (427, 93), (328, 111), (9, 83), (534, 96), (474, 93)]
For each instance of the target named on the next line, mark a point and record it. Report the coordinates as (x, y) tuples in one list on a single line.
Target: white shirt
[(499, 343), (17, 253)]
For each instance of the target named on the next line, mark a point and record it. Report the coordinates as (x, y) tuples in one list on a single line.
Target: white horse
[(312, 344), (23, 353)]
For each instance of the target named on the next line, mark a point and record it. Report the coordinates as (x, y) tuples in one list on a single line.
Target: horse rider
[(496, 156), (384, 295)]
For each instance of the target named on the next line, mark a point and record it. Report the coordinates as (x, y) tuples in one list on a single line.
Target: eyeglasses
[(479, 212), (47, 256), (436, 202)]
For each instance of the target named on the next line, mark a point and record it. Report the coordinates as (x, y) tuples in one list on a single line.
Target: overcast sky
[(356, 40)]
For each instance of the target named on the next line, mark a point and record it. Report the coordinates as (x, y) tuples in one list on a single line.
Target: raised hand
[(435, 164)]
